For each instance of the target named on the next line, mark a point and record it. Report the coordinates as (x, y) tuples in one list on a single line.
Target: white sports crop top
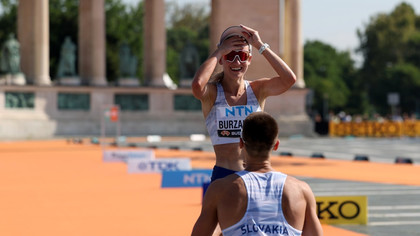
[(224, 122)]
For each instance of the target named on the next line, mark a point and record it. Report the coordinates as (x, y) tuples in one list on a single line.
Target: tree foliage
[(325, 72), (390, 44), (8, 16), (124, 24), (187, 24)]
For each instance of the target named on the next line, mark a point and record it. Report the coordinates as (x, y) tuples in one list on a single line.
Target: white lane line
[(394, 215), (345, 184), (400, 192), (393, 223), (357, 188), (396, 207)]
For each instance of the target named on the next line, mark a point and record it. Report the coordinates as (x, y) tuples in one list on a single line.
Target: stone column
[(294, 33), (154, 42), (92, 66), (33, 35)]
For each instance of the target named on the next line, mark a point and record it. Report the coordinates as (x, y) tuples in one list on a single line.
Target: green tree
[(404, 78), (326, 72), (123, 24), (187, 24), (390, 44), (8, 16)]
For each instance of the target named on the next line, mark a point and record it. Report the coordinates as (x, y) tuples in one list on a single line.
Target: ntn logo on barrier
[(196, 178), (187, 178)]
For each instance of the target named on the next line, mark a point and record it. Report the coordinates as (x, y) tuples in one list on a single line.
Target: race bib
[(230, 119)]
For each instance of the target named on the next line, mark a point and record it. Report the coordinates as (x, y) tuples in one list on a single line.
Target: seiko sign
[(342, 209)]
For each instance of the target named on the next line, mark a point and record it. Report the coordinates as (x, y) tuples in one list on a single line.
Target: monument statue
[(127, 66), (66, 71), (128, 62), (10, 56), (189, 63), (10, 62), (67, 63)]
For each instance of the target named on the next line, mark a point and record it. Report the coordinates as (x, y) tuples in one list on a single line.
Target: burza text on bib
[(230, 119)]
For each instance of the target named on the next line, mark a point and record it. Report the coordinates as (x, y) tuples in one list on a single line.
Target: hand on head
[(232, 43), (252, 36), (236, 38)]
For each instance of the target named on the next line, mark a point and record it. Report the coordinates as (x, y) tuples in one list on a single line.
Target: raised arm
[(203, 74), (270, 86)]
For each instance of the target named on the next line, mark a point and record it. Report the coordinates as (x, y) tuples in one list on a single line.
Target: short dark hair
[(260, 131)]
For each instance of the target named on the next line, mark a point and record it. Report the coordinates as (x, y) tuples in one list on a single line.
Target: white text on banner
[(124, 155), (138, 165)]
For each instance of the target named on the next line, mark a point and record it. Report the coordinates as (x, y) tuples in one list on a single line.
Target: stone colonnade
[(33, 34)]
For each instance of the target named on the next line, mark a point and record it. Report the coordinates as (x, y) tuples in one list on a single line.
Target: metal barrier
[(375, 129)]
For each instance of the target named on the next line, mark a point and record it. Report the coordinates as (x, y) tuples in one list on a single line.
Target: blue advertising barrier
[(188, 178)]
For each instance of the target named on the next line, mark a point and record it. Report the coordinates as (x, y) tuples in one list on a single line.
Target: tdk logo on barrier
[(140, 165), (159, 166)]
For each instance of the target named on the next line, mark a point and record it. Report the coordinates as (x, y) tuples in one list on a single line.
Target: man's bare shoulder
[(229, 184), (297, 187), (296, 181), (227, 181)]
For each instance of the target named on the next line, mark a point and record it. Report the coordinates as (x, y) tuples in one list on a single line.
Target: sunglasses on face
[(241, 55)]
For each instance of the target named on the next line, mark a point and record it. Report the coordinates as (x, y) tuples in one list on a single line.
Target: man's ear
[(241, 143), (276, 145)]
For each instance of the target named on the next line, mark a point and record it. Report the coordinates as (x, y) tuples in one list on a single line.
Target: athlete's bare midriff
[(229, 156)]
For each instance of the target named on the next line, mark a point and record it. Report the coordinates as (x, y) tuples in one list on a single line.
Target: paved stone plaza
[(392, 209), (377, 149)]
